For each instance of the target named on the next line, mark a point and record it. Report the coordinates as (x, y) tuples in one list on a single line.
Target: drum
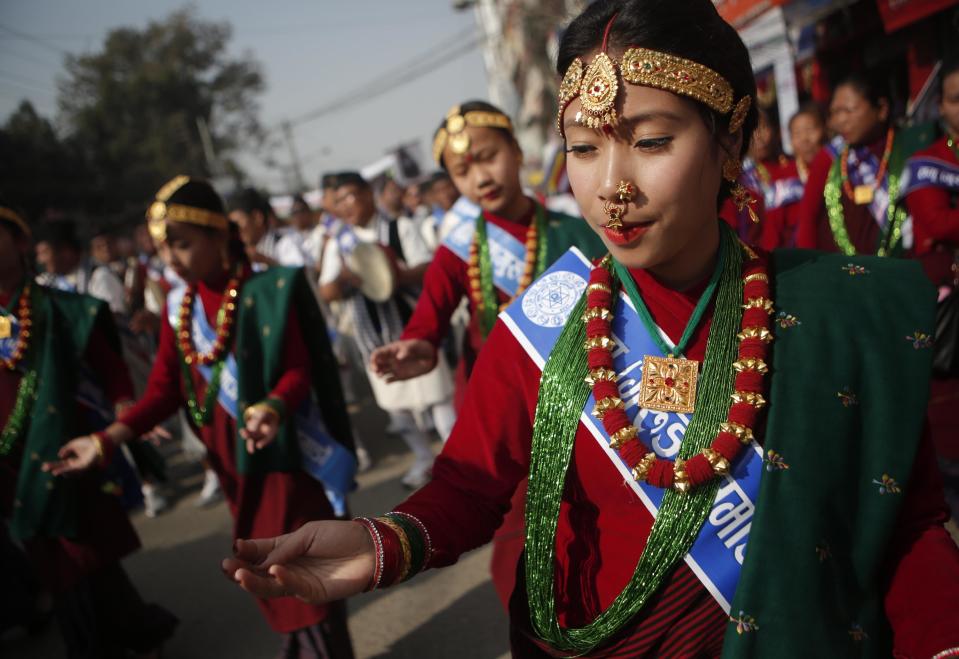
[(373, 265)]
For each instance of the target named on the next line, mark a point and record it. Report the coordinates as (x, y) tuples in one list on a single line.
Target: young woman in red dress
[(656, 107), (258, 462)]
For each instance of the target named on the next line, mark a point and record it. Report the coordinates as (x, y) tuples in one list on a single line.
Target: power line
[(417, 66), (33, 39), (27, 86)]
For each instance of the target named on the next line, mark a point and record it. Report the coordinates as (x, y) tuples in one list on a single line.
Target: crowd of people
[(624, 397)]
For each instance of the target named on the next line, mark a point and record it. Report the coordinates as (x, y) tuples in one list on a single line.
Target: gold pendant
[(669, 384), (6, 327), (862, 194)]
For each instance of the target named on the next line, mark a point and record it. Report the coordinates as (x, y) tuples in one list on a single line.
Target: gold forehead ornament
[(597, 86), (161, 212), (454, 131)]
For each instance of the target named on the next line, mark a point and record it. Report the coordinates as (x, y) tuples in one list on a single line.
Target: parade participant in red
[(807, 132), (778, 179), (476, 145), (260, 462), (720, 459), (74, 532), (487, 259), (849, 204), (931, 189)]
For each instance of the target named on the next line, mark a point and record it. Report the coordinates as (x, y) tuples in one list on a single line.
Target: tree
[(39, 170), (134, 109)]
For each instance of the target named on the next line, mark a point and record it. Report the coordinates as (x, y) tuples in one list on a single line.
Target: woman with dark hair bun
[(720, 457), (273, 422), (850, 204)]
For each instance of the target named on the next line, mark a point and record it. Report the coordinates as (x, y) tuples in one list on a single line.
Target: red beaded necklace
[(224, 325), (474, 270), (747, 399)]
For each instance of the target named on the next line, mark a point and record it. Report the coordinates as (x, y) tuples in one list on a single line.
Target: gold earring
[(732, 169)]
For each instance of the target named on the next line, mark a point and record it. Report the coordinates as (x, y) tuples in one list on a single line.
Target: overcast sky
[(311, 53)]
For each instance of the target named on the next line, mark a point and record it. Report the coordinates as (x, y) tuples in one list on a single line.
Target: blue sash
[(536, 320), (507, 254), (784, 192), (323, 457), (928, 172)]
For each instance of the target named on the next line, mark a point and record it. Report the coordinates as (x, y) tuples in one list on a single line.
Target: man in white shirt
[(250, 211), (376, 324), (299, 245), (69, 271)]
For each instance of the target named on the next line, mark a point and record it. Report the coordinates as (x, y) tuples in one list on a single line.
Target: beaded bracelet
[(951, 652)]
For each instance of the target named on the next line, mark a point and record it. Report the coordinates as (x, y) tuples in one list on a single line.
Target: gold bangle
[(405, 548), (98, 445), (253, 409)]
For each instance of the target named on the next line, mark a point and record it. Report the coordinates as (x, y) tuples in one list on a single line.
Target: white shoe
[(418, 476), (154, 503), (363, 460), (211, 492)]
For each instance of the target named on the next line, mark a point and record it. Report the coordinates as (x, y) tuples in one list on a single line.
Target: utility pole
[(294, 157)]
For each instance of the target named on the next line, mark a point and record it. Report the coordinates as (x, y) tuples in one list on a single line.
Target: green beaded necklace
[(562, 395), (26, 394), (896, 215), (490, 309), (201, 414)]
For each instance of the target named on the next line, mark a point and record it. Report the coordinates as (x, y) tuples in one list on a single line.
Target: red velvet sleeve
[(923, 567), (486, 456), (163, 396), (812, 203), (294, 385), (443, 290), (933, 219), (110, 367)]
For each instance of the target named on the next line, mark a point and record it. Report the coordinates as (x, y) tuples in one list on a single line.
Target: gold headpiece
[(160, 212), (598, 85), (454, 132), (16, 218)]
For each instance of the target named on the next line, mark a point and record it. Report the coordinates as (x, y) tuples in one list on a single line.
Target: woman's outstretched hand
[(319, 562), (402, 360)]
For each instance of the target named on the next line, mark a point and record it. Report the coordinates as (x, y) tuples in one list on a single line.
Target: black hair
[(692, 29), (871, 87), (299, 200), (478, 106), (949, 66), (344, 179), (13, 226), (248, 200), (810, 109), (328, 181), (63, 233)]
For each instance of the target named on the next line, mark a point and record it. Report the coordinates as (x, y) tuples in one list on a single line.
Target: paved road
[(452, 612)]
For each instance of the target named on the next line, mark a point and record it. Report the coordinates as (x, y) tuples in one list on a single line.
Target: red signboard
[(900, 13), (739, 12)]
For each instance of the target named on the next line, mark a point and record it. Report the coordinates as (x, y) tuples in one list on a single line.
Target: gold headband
[(598, 86), (16, 218), (454, 132), (160, 212)]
